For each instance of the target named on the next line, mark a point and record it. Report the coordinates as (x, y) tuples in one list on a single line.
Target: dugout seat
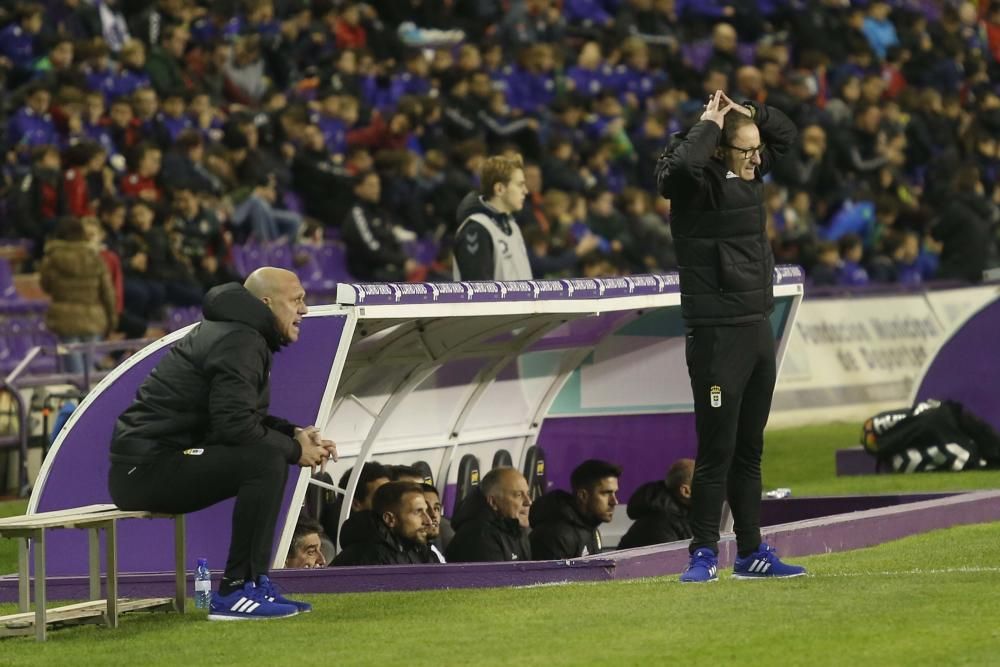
[(534, 471)]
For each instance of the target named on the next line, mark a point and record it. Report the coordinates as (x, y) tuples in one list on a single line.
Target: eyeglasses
[(748, 152)]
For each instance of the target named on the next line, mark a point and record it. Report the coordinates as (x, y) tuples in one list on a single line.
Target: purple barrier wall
[(815, 536), (967, 366), (79, 471), (655, 440)]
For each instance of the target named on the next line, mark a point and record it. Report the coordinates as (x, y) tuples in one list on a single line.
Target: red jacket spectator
[(134, 185), (350, 36), (78, 199), (117, 277)]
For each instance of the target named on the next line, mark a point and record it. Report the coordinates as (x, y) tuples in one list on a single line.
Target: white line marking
[(900, 573)]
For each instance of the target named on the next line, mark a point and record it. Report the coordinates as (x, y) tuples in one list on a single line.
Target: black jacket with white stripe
[(372, 249)]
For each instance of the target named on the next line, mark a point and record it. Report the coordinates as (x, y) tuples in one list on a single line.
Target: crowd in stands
[(179, 131), (397, 518)]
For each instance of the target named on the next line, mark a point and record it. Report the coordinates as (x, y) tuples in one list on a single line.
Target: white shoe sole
[(748, 577), (247, 617), (707, 581)]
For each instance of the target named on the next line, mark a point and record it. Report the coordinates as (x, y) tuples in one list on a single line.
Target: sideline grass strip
[(848, 613)]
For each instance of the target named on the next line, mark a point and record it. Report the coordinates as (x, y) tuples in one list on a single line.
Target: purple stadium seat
[(7, 289), (239, 261), (293, 202), (424, 251), (697, 53), (747, 53), (254, 257), (333, 263), (280, 255)]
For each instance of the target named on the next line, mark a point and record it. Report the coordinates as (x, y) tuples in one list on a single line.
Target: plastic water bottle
[(202, 585)]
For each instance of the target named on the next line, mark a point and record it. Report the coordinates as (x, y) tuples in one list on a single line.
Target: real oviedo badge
[(715, 394)]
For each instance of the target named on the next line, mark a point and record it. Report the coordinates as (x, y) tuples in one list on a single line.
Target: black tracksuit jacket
[(212, 388), (719, 223), (559, 531), (482, 536)]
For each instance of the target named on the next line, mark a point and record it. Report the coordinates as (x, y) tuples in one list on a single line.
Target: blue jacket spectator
[(32, 124), (879, 30), (19, 40)]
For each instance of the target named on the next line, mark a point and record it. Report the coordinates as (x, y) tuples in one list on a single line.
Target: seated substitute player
[(396, 533), (565, 525), (491, 523)]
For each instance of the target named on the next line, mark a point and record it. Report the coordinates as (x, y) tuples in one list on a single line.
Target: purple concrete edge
[(841, 532), (854, 461)]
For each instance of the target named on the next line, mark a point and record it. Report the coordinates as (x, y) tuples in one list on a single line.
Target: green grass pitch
[(926, 600)]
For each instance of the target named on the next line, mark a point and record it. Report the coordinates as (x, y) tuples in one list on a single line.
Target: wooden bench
[(93, 518)]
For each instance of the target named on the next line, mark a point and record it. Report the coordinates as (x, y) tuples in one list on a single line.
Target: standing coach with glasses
[(713, 178)]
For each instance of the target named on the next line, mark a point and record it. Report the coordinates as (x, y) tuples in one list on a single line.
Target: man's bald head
[(268, 280), (282, 293)]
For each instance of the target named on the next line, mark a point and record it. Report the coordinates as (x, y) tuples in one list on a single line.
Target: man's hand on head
[(716, 110), (738, 108)]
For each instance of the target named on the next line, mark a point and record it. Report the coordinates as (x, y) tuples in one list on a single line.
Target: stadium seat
[(468, 478), (280, 255), (333, 263), (697, 53), (424, 251), (534, 471), (502, 460), (425, 470)]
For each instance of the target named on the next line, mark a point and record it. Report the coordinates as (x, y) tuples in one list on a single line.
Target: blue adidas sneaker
[(247, 604), (702, 568), (765, 564), (272, 593)]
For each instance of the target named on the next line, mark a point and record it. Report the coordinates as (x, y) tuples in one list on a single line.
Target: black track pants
[(732, 371), (181, 483)]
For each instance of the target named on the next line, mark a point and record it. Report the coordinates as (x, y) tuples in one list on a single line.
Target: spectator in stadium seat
[(144, 171), (440, 533), (373, 249), (531, 22), (198, 433), (32, 124), (565, 525), (491, 523), (204, 243), (35, 201), (967, 229), (165, 64), (307, 545), (659, 509), (396, 533), (164, 263), (851, 272), (122, 126), (259, 216), (84, 161), (323, 183), (724, 57), (19, 42), (185, 166)]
